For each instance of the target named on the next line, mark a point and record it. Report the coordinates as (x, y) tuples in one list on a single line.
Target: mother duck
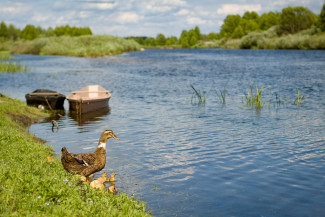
[(87, 163)]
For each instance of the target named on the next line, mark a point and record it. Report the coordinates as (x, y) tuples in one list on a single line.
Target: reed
[(222, 95), (197, 95), (12, 67), (5, 56), (299, 98), (255, 100)]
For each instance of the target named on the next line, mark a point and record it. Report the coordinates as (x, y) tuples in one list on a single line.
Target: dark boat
[(88, 99), (48, 98)]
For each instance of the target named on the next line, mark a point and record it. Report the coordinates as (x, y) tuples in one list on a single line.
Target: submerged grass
[(254, 100), (222, 95), (299, 98), (12, 67), (197, 96), (82, 46), (30, 185)]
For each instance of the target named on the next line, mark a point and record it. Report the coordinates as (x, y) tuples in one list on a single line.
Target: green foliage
[(12, 67), (82, 46), (29, 32), (295, 19), (71, 31), (197, 96), (33, 186), (160, 39), (3, 30), (222, 95), (321, 20), (267, 20), (229, 25), (189, 38), (298, 99), (254, 100)]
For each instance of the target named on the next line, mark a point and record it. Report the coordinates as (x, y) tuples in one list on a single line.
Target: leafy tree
[(29, 32), (295, 19), (160, 39), (13, 33), (238, 33), (183, 39), (267, 20), (150, 41), (3, 30), (197, 32), (230, 24), (250, 15), (321, 20), (171, 41)]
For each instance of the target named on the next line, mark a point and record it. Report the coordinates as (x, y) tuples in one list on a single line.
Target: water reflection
[(211, 160), (90, 117)]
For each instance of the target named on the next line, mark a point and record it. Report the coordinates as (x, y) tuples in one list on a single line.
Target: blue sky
[(138, 17)]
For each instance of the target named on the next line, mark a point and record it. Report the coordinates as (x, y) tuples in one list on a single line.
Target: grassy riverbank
[(30, 185), (82, 46)]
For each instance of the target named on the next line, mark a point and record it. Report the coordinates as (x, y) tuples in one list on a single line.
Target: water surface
[(186, 159)]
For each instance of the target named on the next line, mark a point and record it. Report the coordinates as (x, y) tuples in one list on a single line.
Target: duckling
[(112, 189), (87, 179), (111, 178), (86, 164), (98, 183)]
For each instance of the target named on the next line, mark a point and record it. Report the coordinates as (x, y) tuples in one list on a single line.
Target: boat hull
[(85, 106), (48, 98), (88, 99)]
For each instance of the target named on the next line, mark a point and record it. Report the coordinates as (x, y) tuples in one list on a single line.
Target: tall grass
[(222, 95), (299, 98), (307, 39), (32, 185), (82, 46), (12, 67), (5, 55), (197, 96), (254, 99)]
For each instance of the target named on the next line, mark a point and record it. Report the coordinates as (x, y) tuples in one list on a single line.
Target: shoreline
[(33, 185)]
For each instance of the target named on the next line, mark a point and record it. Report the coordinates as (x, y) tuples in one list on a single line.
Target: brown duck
[(86, 164)]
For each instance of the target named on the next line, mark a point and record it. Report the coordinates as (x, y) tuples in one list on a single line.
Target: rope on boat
[(48, 104)]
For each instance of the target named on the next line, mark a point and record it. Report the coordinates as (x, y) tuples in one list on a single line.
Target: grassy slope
[(32, 186), (82, 46)]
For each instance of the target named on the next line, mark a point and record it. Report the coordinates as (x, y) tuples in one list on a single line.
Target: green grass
[(299, 98), (197, 96), (222, 95), (32, 186), (254, 99), (12, 67), (82, 46), (5, 55)]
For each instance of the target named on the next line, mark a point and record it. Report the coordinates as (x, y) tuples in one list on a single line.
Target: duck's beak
[(115, 137)]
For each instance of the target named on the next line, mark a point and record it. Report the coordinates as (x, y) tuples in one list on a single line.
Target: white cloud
[(238, 9), (128, 17), (164, 5), (161, 9), (195, 21), (182, 12), (100, 5)]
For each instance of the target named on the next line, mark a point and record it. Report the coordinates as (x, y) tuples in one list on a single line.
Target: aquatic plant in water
[(198, 95), (255, 100), (299, 98), (222, 95), (12, 67)]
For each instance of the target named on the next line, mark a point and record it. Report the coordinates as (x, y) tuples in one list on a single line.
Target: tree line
[(290, 21), (31, 32)]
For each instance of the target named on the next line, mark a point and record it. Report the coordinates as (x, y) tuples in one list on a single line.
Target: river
[(189, 159)]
